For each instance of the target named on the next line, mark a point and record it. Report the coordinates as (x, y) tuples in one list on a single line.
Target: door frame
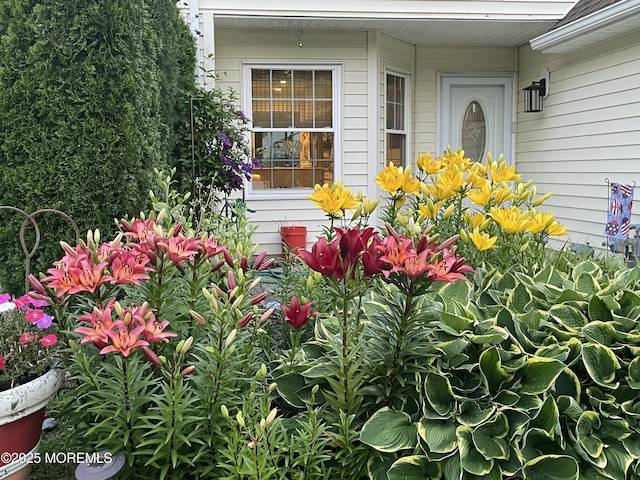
[(446, 79)]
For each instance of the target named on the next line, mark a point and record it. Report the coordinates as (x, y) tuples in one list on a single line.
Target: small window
[(396, 119), (293, 132), (474, 131)]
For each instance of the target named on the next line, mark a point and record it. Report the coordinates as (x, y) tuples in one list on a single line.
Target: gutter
[(615, 13)]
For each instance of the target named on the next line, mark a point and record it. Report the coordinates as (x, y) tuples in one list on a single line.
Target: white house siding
[(588, 131), (350, 50), (431, 61)]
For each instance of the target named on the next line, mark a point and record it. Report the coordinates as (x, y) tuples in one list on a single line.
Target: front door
[(477, 114)]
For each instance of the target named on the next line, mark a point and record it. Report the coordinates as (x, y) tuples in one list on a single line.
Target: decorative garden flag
[(619, 215)]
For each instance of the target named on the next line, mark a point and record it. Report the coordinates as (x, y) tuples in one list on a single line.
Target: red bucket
[(293, 238)]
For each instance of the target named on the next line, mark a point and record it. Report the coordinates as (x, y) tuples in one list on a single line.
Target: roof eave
[(589, 30)]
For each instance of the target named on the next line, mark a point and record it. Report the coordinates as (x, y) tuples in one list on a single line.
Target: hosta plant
[(531, 377)]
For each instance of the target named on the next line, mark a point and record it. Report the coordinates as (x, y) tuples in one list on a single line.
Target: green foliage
[(219, 153), (538, 381), (90, 94)]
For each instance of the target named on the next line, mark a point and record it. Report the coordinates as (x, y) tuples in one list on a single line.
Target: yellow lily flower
[(482, 240), (501, 173), (539, 221), (556, 230), (511, 220), (428, 165), (481, 197), (476, 220), (394, 179)]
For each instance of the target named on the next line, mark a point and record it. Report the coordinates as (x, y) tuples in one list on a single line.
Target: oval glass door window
[(474, 132)]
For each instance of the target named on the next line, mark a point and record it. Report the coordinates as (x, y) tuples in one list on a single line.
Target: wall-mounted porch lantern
[(535, 93)]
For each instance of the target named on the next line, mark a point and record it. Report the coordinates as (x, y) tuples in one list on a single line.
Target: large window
[(293, 132), (396, 124)]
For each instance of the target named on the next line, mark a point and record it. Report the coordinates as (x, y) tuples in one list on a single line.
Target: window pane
[(323, 84), (391, 115), (399, 120), (303, 84), (395, 149), (303, 113), (261, 113), (324, 114), (281, 82), (260, 83), (282, 114)]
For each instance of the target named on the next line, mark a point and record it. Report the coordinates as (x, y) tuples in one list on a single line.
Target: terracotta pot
[(22, 411), (293, 238)]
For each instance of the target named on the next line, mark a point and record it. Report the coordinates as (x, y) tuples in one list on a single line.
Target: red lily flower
[(396, 250), (450, 268), (324, 258), (154, 331), (100, 320), (128, 268), (297, 315), (353, 243), (124, 340), (180, 248)]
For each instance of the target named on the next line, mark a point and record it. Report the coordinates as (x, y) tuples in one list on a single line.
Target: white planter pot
[(22, 410)]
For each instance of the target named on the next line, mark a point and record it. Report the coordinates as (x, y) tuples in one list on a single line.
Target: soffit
[(501, 33)]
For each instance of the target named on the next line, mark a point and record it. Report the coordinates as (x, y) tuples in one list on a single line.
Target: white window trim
[(296, 193), (407, 116)]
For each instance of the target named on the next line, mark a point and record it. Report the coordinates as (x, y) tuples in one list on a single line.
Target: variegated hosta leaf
[(569, 317), (618, 461), (569, 406), (471, 459), (598, 310), (601, 364), (518, 299), (547, 418), (454, 324), (586, 435), (488, 438), (439, 393), (539, 374), (471, 413), (585, 283), (493, 336), (551, 467), (389, 431), (492, 371), (586, 267), (378, 466), (600, 332), (440, 435), (414, 467)]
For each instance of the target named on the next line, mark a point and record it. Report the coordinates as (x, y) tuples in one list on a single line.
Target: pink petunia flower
[(49, 340)]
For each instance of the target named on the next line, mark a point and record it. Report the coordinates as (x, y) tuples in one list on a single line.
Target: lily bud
[(272, 387), (36, 285), (240, 419), (188, 370), (542, 199), (151, 356), (523, 247), (259, 259), (463, 236), (262, 372), (266, 264), (162, 215), (228, 258), (265, 315), (257, 299), (448, 211), (197, 317), (244, 321), (309, 283), (225, 411), (231, 337), (187, 345), (271, 417), (74, 346), (231, 280)]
